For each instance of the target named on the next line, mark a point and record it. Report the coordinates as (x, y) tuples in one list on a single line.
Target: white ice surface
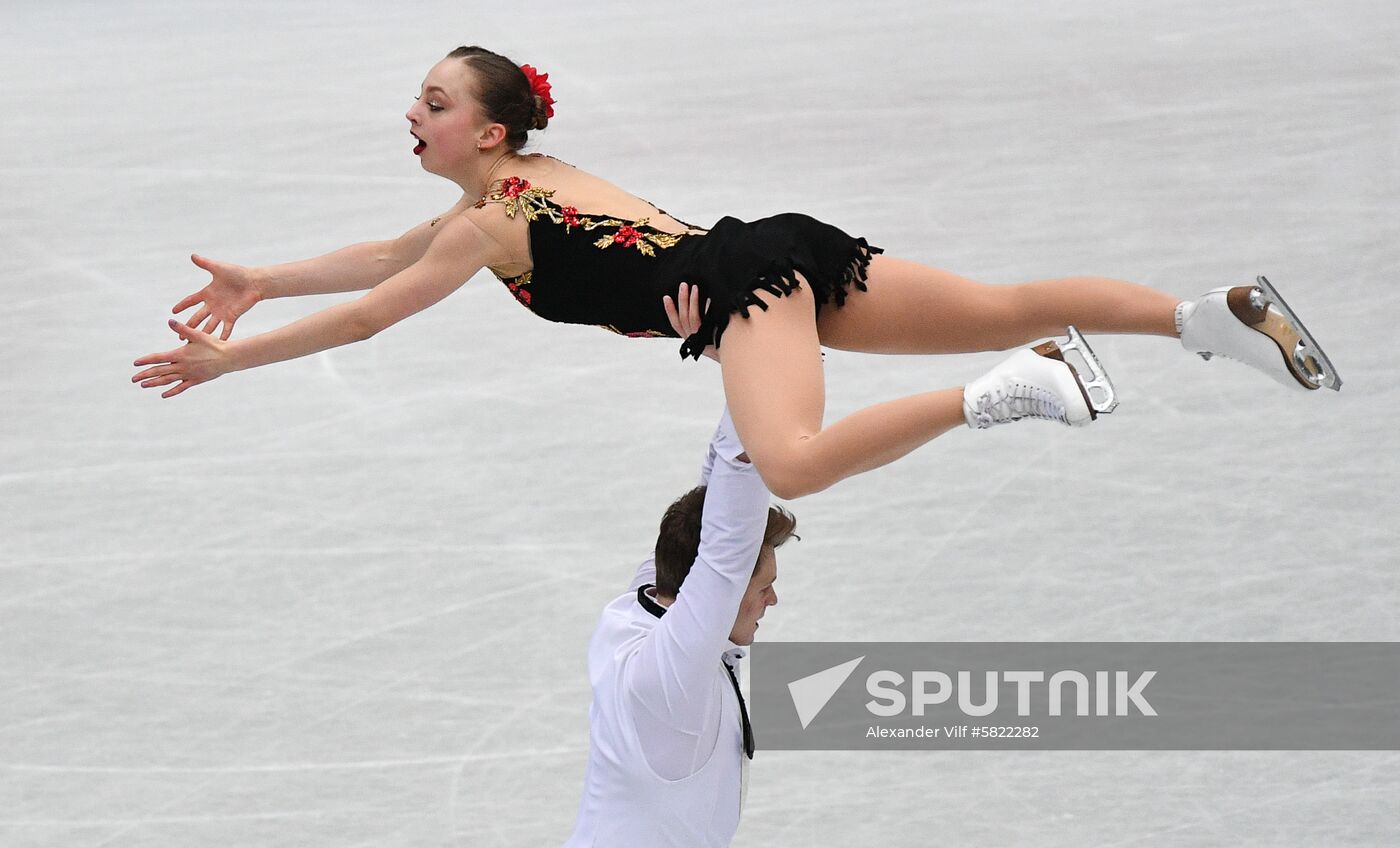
[(344, 600)]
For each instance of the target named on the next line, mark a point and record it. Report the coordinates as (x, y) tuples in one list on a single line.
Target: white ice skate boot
[(1252, 324), (1040, 383)]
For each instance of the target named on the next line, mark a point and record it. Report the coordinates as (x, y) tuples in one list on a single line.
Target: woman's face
[(446, 120)]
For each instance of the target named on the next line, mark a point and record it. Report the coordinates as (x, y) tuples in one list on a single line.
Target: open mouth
[(420, 146)]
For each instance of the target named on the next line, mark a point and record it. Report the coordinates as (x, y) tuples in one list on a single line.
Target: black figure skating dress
[(613, 272)]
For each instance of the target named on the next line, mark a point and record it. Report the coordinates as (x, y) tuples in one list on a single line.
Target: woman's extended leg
[(913, 308), (776, 392)]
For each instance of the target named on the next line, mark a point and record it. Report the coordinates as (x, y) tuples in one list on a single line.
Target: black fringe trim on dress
[(780, 279)]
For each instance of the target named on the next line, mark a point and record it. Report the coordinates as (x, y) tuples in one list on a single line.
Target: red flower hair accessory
[(539, 84)]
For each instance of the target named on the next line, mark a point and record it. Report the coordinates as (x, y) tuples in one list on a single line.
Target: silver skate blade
[(1307, 354), (1102, 397)]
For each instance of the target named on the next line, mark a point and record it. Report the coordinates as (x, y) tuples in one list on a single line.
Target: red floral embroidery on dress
[(626, 236), (517, 195), (517, 286)]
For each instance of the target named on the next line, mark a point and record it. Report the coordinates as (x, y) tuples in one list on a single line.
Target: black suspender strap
[(743, 710)]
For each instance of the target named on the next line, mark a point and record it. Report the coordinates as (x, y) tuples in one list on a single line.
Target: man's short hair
[(678, 542)]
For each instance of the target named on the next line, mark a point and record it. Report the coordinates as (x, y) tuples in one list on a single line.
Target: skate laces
[(1016, 401)]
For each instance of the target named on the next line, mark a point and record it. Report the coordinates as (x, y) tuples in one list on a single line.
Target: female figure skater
[(572, 247)]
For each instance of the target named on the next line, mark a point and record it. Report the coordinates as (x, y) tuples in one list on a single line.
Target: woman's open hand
[(232, 292), (686, 320), (201, 359)]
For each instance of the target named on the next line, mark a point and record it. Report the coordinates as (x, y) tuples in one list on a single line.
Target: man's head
[(678, 543)]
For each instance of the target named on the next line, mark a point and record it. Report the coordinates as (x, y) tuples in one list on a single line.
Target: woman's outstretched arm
[(234, 289), (354, 268), (458, 252)]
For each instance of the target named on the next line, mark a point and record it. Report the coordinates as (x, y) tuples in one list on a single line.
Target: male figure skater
[(669, 738)]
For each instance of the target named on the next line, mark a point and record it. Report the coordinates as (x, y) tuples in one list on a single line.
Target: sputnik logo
[(811, 693)]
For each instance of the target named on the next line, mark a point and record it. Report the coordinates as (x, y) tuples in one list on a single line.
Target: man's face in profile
[(757, 598)]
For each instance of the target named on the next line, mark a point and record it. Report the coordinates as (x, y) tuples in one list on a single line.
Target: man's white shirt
[(666, 764)]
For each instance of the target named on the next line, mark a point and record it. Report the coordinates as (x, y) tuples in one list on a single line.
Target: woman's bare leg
[(913, 308), (773, 382), (772, 360)]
